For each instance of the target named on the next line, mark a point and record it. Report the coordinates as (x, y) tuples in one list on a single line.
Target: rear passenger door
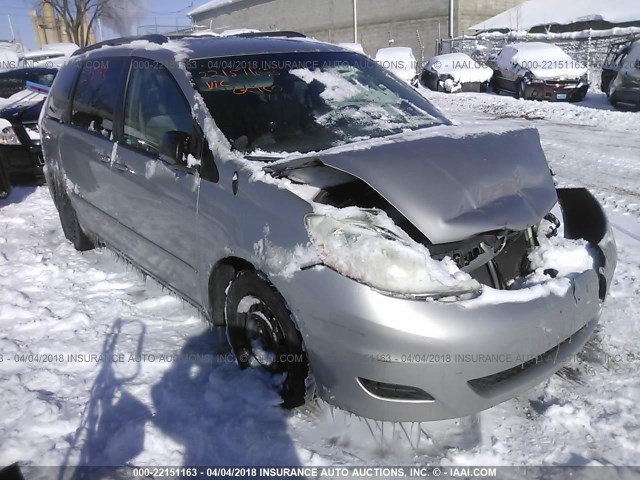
[(157, 194), (87, 142)]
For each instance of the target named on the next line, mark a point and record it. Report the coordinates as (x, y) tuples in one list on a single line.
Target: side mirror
[(175, 146)]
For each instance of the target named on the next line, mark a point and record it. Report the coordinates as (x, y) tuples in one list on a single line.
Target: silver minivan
[(342, 232)]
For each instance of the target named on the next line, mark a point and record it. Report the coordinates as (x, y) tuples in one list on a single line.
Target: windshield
[(306, 102)]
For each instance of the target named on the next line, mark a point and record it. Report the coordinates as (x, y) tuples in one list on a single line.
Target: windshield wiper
[(263, 158)]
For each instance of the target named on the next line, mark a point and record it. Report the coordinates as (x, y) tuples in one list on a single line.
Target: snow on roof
[(211, 5), (534, 13)]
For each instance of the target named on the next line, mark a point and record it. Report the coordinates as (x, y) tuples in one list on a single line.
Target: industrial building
[(376, 23)]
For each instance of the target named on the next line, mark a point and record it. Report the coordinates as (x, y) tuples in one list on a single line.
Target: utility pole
[(355, 21), (451, 18)]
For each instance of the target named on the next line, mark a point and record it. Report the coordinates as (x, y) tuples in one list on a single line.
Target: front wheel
[(262, 334), (611, 93), (521, 91)]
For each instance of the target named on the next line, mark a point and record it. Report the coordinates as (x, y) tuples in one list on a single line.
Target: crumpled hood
[(454, 182)]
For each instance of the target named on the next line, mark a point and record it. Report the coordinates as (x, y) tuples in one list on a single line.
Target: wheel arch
[(221, 275)]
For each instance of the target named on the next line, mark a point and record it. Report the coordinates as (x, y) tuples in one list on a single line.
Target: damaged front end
[(453, 248), (479, 212)]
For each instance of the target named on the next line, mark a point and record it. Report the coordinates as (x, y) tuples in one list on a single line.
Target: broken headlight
[(370, 249)]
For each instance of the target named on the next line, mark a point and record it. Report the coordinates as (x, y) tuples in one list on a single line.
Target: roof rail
[(153, 38), (277, 33)]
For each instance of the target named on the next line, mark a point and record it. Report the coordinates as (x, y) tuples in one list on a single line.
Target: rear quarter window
[(60, 94), (97, 93)]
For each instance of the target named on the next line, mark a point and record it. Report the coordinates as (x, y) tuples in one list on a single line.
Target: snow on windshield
[(372, 109), (307, 103)]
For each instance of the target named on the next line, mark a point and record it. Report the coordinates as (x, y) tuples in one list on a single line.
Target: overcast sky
[(163, 12)]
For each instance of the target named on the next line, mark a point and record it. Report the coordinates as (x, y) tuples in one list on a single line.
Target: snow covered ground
[(160, 394)]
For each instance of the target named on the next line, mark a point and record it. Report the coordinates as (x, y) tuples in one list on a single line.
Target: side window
[(60, 94), (154, 106), (97, 94)]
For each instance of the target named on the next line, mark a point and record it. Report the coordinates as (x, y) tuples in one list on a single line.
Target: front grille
[(561, 83), (486, 386)]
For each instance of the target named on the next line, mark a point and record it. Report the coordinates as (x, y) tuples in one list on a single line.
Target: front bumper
[(556, 91), (468, 356)]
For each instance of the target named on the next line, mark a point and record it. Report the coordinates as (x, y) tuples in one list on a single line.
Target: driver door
[(157, 193)]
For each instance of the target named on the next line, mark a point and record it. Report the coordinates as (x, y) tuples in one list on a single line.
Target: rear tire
[(71, 226), (262, 334), (5, 181)]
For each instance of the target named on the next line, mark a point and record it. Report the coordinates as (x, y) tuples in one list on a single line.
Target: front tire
[(521, 90), (71, 226), (262, 334), (611, 93)]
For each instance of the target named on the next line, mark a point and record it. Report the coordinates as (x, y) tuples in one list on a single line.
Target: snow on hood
[(455, 182), (461, 68), (22, 98), (547, 61)]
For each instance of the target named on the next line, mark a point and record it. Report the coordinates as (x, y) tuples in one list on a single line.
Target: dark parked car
[(614, 61), (624, 88), (382, 248), (538, 71), (20, 148)]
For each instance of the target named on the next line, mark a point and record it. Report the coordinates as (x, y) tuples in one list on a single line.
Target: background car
[(20, 147), (456, 72), (624, 89), (613, 62), (400, 61), (15, 81), (538, 71)]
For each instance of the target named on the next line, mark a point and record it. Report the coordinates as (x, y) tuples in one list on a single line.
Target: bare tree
[(80, 16)]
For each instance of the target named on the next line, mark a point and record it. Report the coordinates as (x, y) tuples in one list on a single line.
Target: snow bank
[(594, 111), (535, 13)]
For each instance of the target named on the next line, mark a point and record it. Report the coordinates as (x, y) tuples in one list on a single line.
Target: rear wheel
[(71, 226), (262, 334), (5, 181)]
